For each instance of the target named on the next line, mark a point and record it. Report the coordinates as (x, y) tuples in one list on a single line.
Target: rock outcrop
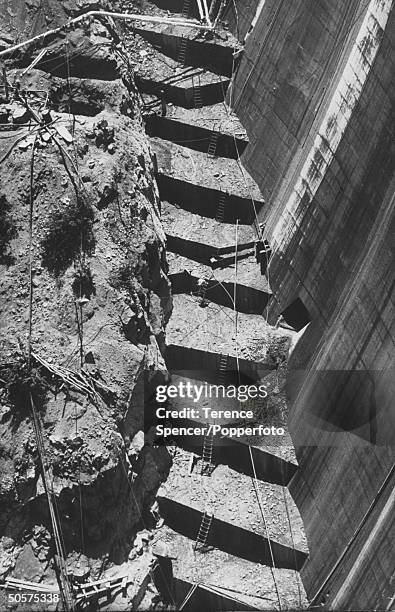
[(84, 284)]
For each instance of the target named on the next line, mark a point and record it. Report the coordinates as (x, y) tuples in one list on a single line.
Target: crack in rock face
[(79, 219)]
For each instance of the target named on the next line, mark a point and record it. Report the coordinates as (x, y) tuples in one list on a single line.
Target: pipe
[(200, 7), (125, 16), (206, 11)]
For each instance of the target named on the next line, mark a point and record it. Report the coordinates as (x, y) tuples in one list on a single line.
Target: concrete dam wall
[(315, 91)]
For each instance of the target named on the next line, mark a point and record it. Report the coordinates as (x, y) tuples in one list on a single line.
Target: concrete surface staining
[(197, 208)]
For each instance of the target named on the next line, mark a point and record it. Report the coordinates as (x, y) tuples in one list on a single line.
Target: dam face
[(314, 90)]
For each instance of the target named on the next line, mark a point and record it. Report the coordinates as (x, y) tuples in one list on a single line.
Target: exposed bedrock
[(83, 260), (315, 92)]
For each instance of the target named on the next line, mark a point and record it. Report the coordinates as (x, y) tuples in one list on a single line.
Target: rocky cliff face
[(83, 280)]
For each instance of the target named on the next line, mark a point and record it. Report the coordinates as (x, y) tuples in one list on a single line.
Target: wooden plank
[(101, 587), (26, 584)]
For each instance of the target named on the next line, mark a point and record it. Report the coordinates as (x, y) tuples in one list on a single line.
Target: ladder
[(101, 587), (186, 8), (223, 365), (221, 207), (212, 147), (201, 539), (197, 94), (182, 51), (207, 454)]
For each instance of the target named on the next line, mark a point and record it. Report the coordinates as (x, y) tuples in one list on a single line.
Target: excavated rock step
[(266, 411), (202, 48), (178, 356), (248, 273), (213, 329), (230, 538), (217, 117), (198, 405), (242, 509), (275, 464), (204, 139), (206, 201), (208, 254), (251, 292), (167, 72), (207, 240), (206, 366), (216, 173), (222, 38), (206, 231), (245, 580), (87, 60), (219, 38), (155, 72), (182, 91)]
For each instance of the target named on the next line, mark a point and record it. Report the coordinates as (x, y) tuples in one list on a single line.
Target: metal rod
[(206, 11), (200, 7), (34, 62)]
